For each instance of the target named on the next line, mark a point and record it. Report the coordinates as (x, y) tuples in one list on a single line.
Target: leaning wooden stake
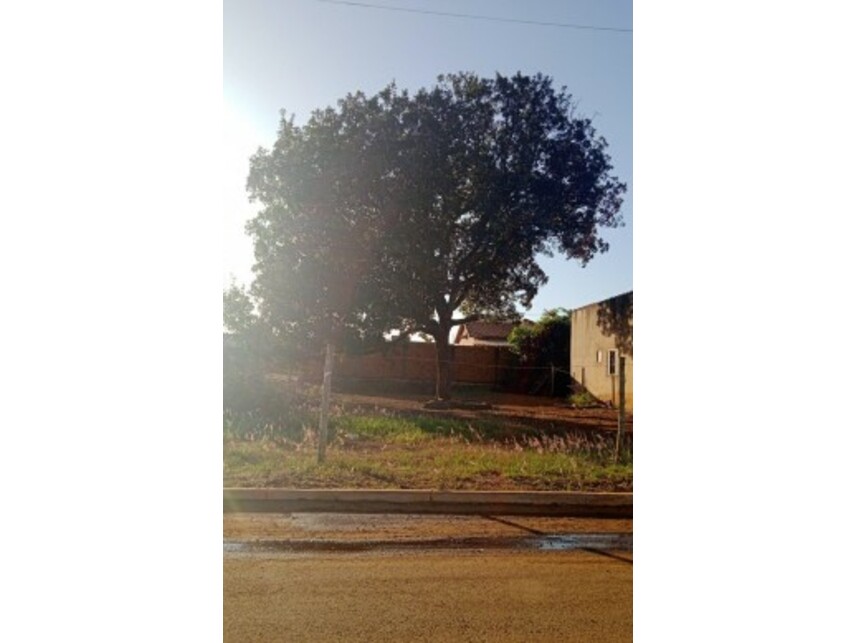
[(621, 427), (325, 402)]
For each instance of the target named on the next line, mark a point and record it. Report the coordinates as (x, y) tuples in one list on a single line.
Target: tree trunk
[(443, 382), (325, 402)]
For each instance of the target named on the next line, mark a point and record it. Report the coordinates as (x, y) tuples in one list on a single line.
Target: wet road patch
[(543, 542)]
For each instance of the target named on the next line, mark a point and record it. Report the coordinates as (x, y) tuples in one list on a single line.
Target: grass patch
[(411, 429), (269, 441), (387, 451), (414, 427)]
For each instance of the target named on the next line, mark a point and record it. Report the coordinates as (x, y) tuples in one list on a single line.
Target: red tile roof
[(490, 330)]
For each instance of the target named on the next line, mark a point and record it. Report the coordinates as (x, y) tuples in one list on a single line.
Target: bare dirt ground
[(432, 596), (353, 527), (410, 398), (529, 410)]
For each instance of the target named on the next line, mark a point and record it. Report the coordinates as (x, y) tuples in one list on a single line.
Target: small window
[(612, 362), (599, 356)]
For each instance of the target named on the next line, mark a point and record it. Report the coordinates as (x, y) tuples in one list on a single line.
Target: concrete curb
[(426, 501)]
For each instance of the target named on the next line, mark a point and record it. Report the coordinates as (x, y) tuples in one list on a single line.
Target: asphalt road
[(431, 593)]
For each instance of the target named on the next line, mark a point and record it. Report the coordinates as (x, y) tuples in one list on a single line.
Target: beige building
[(600, 334)]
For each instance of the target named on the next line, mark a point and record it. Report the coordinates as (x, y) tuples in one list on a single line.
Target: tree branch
[(467, 320), (429, 329)]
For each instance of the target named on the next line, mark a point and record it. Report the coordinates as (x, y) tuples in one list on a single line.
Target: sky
[(300, 55)]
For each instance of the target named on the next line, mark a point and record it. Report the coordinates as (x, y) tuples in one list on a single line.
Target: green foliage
[(583, 398), (373, 451), (238, 309), (252, 404), (397, 210), (324, 208), (419, 428), (493, 172), (250, 345), (546, 343), (255, 408)]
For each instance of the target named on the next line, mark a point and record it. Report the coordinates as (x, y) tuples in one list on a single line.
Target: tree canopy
[(401, 211), (545, 344), (238, 315), (322, 190)]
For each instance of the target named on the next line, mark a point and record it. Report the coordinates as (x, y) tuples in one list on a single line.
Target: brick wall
[(416, 362)]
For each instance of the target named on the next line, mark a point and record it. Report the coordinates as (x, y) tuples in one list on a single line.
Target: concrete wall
[(588, 338)]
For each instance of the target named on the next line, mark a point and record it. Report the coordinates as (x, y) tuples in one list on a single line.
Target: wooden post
[(553, 372), (325, 402), (621, 426)]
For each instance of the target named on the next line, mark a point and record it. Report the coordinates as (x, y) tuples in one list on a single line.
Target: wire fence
[(495, 366), (415, 366), (459, 362)]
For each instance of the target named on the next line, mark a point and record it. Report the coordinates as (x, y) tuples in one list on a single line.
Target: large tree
[(492, 173), (431, 208)]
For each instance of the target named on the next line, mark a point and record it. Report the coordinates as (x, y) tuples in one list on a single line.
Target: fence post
[(620, 429), (496, 366), (553, 373), (325, 402)]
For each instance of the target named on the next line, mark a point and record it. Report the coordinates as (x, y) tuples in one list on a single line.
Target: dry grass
[(383, 451)]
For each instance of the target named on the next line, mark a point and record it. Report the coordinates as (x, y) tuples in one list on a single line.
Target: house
[(485, 333), (601, 333)]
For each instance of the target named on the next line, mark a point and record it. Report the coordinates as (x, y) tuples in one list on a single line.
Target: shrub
[(255, 406), (544, 344), (584, 398)]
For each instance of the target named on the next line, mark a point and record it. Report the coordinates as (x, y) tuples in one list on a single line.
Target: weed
[(385, 451), (583, 399)]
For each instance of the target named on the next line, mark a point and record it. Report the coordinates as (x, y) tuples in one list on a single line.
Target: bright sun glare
[(240, 141)]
